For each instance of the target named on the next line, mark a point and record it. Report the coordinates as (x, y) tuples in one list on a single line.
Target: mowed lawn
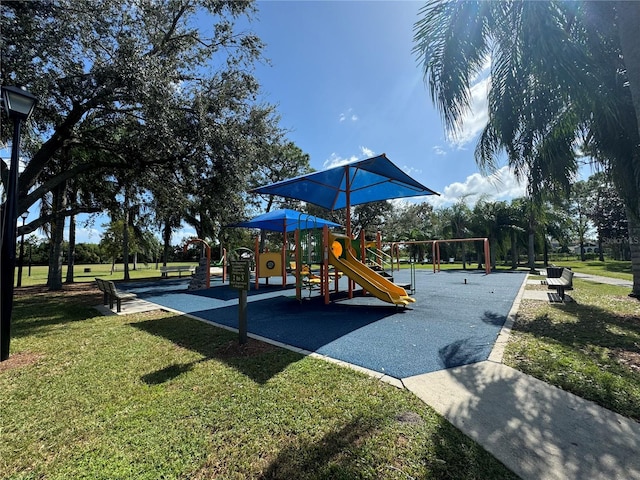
[(162, 396)]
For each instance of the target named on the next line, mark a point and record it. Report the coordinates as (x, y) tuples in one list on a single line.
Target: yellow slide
[(368, 279)]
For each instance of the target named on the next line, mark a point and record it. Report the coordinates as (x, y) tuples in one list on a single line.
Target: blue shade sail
[(364, 181), (285, 221)]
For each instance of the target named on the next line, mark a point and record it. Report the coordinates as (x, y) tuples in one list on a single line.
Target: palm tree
[(558, 77), (491, 220)]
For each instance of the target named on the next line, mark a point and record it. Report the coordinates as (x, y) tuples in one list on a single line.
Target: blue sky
[(347, 87)]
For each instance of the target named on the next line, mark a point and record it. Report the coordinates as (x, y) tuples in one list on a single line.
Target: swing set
[(435, 250)]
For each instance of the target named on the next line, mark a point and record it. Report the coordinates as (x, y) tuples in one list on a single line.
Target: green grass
[(608, 268), (163, 396), (39, 273), (590, 347)]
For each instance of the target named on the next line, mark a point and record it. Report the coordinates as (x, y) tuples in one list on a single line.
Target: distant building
[(589, 247)]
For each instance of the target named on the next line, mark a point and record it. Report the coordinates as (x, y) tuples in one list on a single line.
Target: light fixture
[(18, 103)]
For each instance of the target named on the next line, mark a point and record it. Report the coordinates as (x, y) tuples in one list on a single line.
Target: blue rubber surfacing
[(452, 323)]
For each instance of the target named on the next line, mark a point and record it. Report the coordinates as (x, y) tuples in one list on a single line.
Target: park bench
[(179, 268), (565, 281), (111, 294)]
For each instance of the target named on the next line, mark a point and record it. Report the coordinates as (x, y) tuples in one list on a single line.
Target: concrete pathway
[(608, 280)]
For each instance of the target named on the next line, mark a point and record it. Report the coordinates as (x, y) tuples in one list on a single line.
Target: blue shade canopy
[(365, 181), (285, 221)]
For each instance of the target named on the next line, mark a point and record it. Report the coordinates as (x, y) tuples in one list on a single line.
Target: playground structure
[(336, 254), (435, 250), (208, 256), (340, 254), (365, 181), (274, 263)]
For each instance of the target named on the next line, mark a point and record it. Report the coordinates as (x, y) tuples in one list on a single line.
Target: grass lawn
[(39, 273), (162, 396)]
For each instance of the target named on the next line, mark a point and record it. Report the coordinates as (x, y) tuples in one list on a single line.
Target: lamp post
[(18, 104), (21, 257), (29, 271)]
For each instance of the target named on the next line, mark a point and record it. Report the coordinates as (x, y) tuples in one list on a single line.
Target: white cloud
[(475, 118), (85, 234), (503, 185), (336, 160), (411, 171), (184, 232), (348, 115), (367, 152), (438, 150)]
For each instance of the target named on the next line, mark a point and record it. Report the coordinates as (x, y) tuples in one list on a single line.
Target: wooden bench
[(179, 268), (565, 281), (111, 294)]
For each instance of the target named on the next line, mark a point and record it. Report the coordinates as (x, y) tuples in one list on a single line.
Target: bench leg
[(561, 292), (105, 298), (119, 305)]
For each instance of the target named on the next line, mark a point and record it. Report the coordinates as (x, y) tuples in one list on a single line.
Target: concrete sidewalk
[(600, 279)]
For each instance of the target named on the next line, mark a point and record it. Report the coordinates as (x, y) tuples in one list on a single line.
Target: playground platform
[(455, 320)]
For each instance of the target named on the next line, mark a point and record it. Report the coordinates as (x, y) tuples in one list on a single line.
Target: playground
[(333, 294), (454, 321)]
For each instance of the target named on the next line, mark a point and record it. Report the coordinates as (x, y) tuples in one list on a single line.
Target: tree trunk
[(514, 250), (628, 21), (464, 257), (125, 242), (71, 251), (634, 249), (166, 238), (531, 253), (493, 252), (54, 276), (546, 253)]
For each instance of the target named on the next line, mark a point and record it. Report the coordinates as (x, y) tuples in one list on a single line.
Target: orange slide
[(368, 279)]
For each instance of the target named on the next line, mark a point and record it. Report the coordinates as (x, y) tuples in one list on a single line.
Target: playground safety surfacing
[(455, 320)]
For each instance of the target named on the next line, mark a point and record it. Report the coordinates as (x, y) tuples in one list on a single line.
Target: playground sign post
[(239, 279)]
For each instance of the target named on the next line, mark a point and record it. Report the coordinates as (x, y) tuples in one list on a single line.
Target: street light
[(21, 258), (18, 104)]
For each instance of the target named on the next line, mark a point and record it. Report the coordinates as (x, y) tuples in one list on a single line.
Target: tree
[(136, 86), (558, 75), (458, 218), (580, 202), (276, 162), (608, 216), (493, 221)]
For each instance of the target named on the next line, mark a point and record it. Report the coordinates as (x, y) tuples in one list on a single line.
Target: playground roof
[(364, 181), (285, 220)]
